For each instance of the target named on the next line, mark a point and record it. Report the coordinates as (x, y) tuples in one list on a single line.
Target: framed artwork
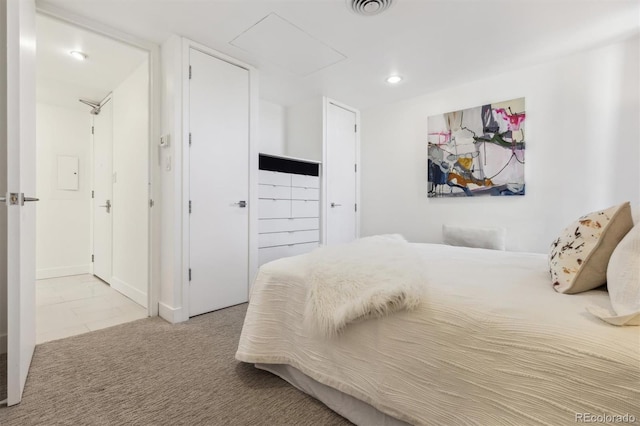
[(477, 151)]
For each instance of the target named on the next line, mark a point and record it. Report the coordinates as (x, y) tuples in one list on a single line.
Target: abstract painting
[(477, 151)]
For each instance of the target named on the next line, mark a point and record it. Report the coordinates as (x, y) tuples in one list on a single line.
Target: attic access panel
[(276, 40)]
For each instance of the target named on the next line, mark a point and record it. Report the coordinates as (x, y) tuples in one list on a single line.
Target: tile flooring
[(67, 306)]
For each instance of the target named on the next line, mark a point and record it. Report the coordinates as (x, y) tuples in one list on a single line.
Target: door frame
[(323, 193), (187, 45), (153, 50), (92, 222)]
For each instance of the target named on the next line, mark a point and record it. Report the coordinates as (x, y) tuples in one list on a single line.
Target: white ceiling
[(62, 80), (432, 43)]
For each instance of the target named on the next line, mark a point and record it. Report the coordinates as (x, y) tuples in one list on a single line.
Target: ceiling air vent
[(369, 7)]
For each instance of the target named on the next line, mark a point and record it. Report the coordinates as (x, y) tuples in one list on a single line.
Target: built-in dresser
[(288, 207)]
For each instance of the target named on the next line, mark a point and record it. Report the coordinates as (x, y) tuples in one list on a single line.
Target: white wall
[(272, 139), (304, 130), (63, 228), (582, 150), (130, 188), (170, 304)]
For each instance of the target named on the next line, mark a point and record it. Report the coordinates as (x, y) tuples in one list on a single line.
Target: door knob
[(28, 199), (242, 204), (335, 205), (15, 198), (108, 206)]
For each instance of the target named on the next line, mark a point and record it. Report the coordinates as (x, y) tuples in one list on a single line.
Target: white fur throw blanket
[(368, 278)]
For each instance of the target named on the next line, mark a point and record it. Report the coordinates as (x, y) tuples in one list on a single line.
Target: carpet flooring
[(150, 372)]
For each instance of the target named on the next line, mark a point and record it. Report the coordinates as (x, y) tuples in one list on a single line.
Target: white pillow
[(623, 274), (635, 214), (623, 281), (467, 236)]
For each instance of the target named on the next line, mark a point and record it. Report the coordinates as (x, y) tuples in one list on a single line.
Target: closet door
[(219, 184), (341, 175), (103, 192)]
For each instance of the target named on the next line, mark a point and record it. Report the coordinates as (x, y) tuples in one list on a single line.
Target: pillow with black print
[(579, 256)]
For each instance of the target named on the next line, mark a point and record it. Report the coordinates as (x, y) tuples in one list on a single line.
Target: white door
[(341, 175), (103, 191), (218, 184), (18, 18)]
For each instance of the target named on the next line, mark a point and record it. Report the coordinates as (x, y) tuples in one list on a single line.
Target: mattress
[(493, 343)]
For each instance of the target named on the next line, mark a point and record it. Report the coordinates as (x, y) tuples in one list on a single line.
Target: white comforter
[(492, 344)]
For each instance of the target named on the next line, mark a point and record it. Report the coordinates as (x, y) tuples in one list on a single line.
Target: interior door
[(341, 175), (218, 184), (103, 191), (18, 132)]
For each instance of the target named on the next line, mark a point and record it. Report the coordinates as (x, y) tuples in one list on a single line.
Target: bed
[(492, 343)]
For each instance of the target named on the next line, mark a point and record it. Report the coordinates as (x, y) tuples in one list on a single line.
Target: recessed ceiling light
[(78, 55), (394, 79)]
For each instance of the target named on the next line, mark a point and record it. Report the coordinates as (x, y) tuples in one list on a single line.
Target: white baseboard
[(3, 343), (63, 271), (128, 290), (172, 315)]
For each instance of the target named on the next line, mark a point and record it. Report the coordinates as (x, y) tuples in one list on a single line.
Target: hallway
[(78, 304)]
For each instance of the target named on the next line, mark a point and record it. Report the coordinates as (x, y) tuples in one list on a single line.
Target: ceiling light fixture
[(369, 7), (76, 54), (394, 79)]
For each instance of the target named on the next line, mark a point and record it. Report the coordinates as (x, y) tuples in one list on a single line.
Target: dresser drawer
[(298, 193), (268, 177), (266, 255), (287, 238), (302, 248), (274, 192), (272, 253), (291, 224), (305, 181), (271, 209), (305, 208)]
